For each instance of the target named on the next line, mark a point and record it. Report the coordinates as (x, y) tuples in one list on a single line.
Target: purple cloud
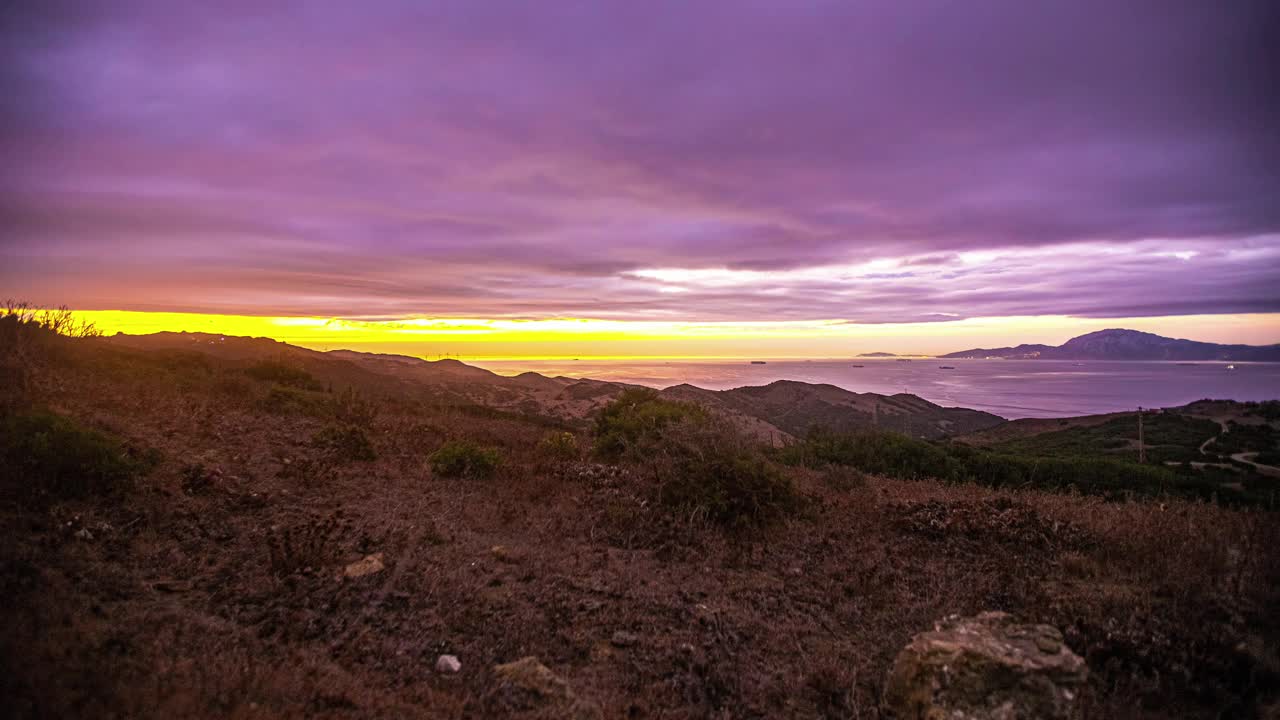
[(833, 160)]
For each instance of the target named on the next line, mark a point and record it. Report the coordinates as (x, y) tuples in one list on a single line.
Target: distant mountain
[(1119, 344), (1021, 352), (877, 354)]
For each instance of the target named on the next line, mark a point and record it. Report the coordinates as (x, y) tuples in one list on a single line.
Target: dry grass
[(185, 600)]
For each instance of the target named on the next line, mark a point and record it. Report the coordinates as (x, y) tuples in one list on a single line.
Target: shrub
[(700, 468), (307, 546), (462, 459), (48, 456), (22, 317), (287, 401), (713, 474), (559, 447), (842, 478), (638, 417), (345, 444), (351, 408), (281, 373)]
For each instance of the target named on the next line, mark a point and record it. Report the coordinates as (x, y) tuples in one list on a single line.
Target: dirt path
[(1222, 424), (1245, 457)]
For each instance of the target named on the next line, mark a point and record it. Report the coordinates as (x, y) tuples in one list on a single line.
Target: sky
[(665, 178)]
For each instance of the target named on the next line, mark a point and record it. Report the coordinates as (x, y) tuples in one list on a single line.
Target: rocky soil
[(252, 573)]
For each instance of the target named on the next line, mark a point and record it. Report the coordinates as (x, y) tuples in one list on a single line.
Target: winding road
[(1244, 457)]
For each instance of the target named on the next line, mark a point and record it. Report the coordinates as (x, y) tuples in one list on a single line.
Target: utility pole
[(1142, 448)]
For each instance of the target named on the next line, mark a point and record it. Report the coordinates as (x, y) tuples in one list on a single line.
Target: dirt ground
[(214, 585)]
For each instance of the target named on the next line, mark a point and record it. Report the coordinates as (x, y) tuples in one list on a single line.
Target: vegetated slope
[(795, 407), (1167, 436), (1217, 442), (445, 381), (1118, 344), (212, 581), (1178, 432), (774, 412)]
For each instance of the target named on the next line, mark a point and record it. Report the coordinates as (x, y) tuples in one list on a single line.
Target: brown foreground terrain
[(214, 584)]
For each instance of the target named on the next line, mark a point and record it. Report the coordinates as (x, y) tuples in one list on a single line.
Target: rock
[(623, 639), (448, 664), (369, 565), (527, 683), (985, 668), (530, 676)]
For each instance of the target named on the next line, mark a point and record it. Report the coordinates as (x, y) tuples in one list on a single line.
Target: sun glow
[(495, 338)]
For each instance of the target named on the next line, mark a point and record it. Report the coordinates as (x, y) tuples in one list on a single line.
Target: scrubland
[(176, 527)]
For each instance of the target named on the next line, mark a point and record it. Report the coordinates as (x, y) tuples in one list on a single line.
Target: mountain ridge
[(775, 412), (1122, 344)]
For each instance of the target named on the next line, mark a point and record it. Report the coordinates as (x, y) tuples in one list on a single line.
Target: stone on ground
[(528, 683), (369, 565), (986, 667)]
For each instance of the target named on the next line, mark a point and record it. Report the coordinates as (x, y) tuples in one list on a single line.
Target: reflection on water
[(1011, 388)]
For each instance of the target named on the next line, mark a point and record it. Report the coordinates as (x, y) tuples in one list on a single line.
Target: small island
[(877, 354)]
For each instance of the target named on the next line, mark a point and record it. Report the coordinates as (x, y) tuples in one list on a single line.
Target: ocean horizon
[(1010, 388)]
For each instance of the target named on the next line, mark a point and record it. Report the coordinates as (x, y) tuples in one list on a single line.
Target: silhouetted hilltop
[(1118, 344)]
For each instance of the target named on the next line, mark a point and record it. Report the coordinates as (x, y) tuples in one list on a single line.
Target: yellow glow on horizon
[(553, 338)]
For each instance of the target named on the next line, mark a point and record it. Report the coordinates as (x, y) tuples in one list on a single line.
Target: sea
[(1009, 388)]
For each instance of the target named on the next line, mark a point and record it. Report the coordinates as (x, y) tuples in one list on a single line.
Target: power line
[(1142, 448)]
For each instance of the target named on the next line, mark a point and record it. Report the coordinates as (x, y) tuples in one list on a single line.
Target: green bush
[(723, 479), (48, 456), (462, 459), (559, 447), (345, 444), (699, 467), (281, 373), (638, 417)]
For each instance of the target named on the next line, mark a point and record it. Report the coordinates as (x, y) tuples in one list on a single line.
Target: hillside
[(794, 407), (1238, 443), (1020, 352), (774, 412), (1118, 344), (237, 528)]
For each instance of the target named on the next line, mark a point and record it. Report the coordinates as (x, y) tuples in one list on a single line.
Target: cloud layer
[(873, 162)]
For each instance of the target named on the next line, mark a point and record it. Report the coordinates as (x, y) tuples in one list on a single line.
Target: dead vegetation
[(213, 582)]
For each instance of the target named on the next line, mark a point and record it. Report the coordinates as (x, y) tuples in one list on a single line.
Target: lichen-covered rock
[(530, 676), (986, 667), (527, 683), (369, 565)]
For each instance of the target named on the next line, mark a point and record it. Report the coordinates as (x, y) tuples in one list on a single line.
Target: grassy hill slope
[(178, 527)]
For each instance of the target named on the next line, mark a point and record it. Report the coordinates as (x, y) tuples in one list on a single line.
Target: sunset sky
[(629, 178)]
